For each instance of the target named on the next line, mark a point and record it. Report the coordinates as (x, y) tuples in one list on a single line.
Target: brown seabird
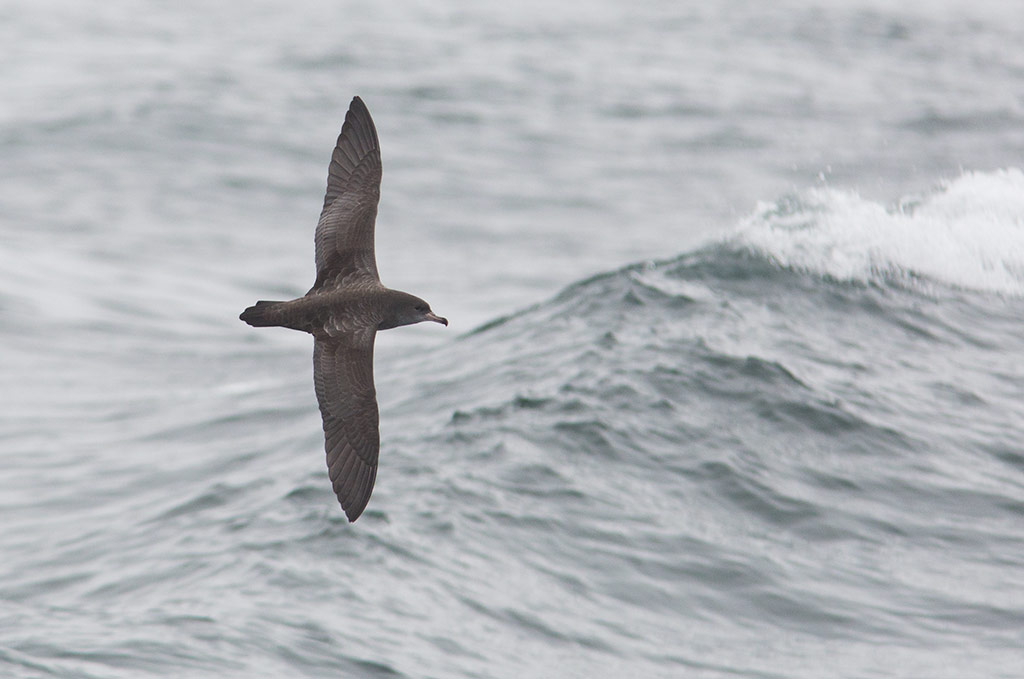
[(344, 310)]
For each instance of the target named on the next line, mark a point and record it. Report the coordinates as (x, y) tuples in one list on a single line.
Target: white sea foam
[(968, 233)]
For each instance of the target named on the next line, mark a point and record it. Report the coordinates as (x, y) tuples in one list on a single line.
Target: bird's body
[(344, 310), (338, 313)]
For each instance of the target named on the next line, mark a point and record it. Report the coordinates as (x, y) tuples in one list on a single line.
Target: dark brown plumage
[(344, 310)]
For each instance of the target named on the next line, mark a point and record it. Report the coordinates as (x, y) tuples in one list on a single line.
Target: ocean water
[(733, 383)]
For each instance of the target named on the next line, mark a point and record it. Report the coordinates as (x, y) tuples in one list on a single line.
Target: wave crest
[(968, 233)]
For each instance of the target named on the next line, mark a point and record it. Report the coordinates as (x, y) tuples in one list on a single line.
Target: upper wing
[(344, 234), (343, 376)]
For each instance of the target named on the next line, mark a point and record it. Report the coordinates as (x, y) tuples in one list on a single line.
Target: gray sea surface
[(733, 383)]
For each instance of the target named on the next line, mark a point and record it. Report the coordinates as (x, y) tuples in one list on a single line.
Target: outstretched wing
[(344, 234), (343, 376)]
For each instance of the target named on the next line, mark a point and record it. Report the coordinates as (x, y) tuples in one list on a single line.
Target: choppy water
[(733, 385)]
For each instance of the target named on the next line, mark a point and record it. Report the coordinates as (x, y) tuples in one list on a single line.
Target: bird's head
[(406, 309)]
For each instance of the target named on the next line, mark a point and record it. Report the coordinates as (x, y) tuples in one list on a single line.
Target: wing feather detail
[(343, 378), (345, 232)]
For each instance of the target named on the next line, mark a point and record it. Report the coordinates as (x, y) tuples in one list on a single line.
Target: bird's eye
[(421, 309)]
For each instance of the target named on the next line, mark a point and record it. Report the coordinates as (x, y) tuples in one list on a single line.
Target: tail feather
[(259, 316)]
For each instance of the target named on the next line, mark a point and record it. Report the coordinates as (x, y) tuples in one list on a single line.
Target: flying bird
[(345, 308)]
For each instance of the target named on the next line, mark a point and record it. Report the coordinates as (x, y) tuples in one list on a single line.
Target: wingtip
[(358, 118), (353, 513)]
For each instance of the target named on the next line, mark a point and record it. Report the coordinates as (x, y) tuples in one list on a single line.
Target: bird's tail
[(262, 315)]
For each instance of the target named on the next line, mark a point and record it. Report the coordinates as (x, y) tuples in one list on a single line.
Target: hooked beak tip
[(437, 319)]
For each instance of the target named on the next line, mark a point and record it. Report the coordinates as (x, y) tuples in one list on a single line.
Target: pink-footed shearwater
[(344, 310)]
